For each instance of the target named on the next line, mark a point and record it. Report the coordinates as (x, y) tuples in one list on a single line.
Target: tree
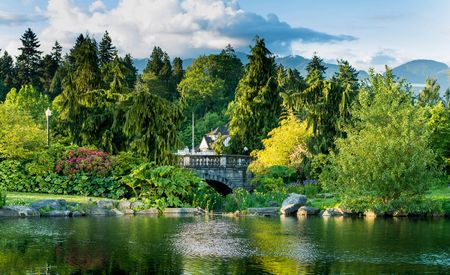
[(446, 98), (429, 95), (283, 145), (29, 60), (439, 126), (178, 71), (130, 71), (155, 62), (7, 74), (20, 136), (106, 50), (30, 101), (151, 125), (386, 156), (257, 106)]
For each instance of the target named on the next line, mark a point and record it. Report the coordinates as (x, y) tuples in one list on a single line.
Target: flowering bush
[(84, 161)]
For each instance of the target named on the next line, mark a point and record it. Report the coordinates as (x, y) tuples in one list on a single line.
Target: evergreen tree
[(130, 72), (155, 63), (57, 53), (29, 60), (106, 49), (257, 106), (166, 70), (7, 74), (177, 72), (429, 95)]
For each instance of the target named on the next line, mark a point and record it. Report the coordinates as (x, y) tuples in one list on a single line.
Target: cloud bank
[(181, 27)]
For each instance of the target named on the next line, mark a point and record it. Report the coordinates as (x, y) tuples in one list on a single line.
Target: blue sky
[(367, 33)]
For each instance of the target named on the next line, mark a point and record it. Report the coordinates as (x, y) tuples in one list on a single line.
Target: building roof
[(223, 130)]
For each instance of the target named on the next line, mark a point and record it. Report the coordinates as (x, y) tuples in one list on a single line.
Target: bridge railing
[(215, 161)]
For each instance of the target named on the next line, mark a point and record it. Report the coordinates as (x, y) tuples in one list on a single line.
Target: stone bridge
[(223, 172)]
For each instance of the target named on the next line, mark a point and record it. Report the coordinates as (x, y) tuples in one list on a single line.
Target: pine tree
[(106, 49), (155, 63), (429, 95), (131, 71), (29, 59), (7, 74), (257, 106)]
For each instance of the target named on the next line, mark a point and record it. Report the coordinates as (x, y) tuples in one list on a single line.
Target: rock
[(57, 213), (117, 212), (128, 211), (307, 210), (50, 204), (370, 214), (237, 213), (77, 214), (332, 212), (183, 211), (23, 211), (124, 205), (150, 211), (292, 203), (8, 213), (108, 204), (264, 211), (97, 211), (137, 205)]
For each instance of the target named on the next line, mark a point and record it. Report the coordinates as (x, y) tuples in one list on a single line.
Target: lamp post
[(48, 113)]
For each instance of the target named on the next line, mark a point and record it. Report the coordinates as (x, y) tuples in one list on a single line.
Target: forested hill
[(415, 71)]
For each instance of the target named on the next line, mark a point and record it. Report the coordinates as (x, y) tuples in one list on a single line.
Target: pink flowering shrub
[(84, 161)]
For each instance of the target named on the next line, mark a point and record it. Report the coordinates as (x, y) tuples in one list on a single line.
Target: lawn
[(17, 198)]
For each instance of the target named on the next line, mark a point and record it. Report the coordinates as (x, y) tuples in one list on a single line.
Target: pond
[(219, 245)]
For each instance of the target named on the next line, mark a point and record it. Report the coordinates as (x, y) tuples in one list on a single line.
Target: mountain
[(415, 71)]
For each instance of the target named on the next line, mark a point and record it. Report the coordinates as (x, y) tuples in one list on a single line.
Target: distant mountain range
[(415, 71)]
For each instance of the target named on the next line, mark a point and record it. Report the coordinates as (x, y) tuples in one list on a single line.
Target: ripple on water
[(214, 238)]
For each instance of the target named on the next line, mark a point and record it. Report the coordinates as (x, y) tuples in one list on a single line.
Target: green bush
[(166, 186), (13, 176), (274, 178), (2, 198), (242, 199)]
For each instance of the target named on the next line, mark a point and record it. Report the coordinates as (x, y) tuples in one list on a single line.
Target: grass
[(322, 203), (439, 193), (18, 198)]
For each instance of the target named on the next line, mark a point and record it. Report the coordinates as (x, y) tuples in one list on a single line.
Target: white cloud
[(181, 27)]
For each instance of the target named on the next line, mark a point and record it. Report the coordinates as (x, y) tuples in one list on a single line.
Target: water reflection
[(213, 245)]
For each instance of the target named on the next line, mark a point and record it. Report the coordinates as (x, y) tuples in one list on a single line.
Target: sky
[(366, 33)]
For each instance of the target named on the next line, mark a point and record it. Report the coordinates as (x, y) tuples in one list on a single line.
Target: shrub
[(274, 178), (166, 186), (13, 177), (242, 199), (2, 198), (85, 161)]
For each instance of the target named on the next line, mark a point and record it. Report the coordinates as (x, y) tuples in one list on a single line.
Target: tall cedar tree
[(257, 106), (177, 72), (49, 65), (29, 60)]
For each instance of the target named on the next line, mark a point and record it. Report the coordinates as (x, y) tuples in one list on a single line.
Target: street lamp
[(48, 113)]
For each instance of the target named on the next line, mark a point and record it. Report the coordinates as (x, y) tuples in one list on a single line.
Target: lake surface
[(216, 245)]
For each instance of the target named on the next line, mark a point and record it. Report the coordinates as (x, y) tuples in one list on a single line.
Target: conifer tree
[(155, 63), (257, 106), (105, 50), (29, 59), (177, 72), (7, 74)]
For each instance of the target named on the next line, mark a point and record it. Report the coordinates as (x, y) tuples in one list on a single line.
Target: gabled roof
[(223, 130)]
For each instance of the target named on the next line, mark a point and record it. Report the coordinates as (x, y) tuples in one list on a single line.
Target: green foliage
[(20, 137), (13, 177), (429, 95), (242, 199), (386, 155), (439, 126), (29, 60), (29, 100), (257, 104), (274, 178), (285, 145), (202, 126), (2, 198), (166, 186), (151, 125)]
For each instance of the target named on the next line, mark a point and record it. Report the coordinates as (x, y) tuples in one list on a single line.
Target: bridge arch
[(223, 172)]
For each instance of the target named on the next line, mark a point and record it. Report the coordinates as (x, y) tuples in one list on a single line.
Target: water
[(207, 245)]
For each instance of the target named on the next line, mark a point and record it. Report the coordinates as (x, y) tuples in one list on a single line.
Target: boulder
[(292, 203), (97, 211), (183, 211), (23, 211), (264, 211), (117, 212), (127, 211), (50, 204), (399, 213), (307, 210), (370, 214), (77, 214), (124, 205), (150, 211), (332, 212), (57, 213), (108, 204), (8, 213)]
